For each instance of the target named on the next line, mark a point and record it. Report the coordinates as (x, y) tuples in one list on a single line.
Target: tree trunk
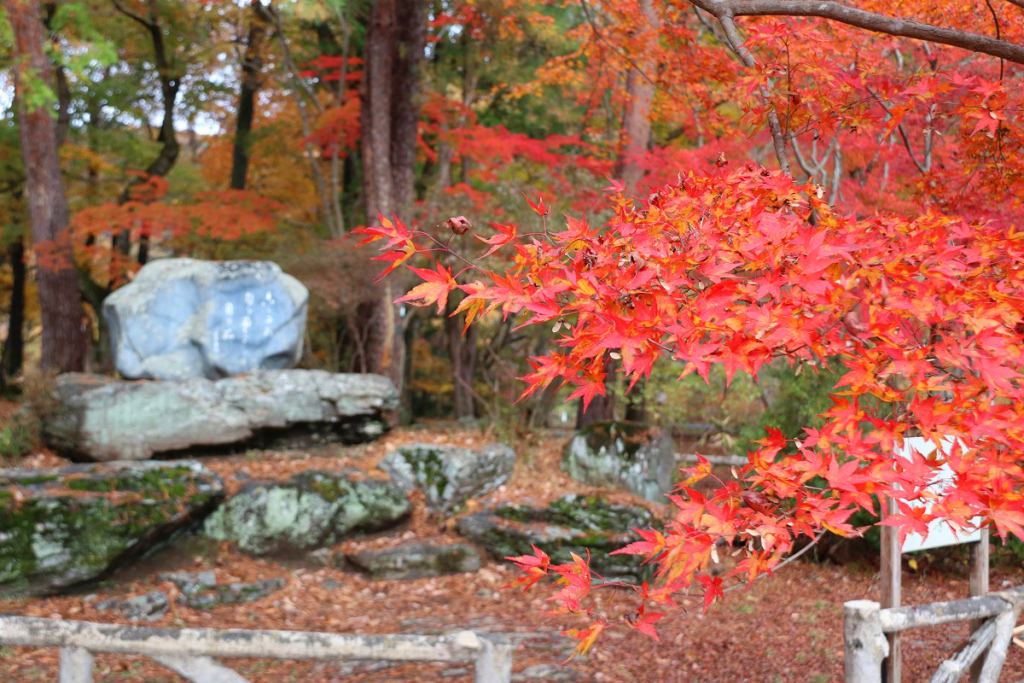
[(395, 39), (170, 83), (462, 354), (601, 409), (64, 340), (252, 67), (14, 346), (636, 404), (636, 124)]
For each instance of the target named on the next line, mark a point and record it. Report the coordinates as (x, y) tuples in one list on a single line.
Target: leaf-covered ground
[(784, 629)]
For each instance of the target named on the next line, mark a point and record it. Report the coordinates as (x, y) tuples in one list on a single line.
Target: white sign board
[(940, 533)]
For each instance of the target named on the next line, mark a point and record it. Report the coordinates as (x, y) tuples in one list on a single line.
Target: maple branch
[(736, 43), (879, 23), (922, 167), (818, 166), (132, 15), (597, 32), (1018, 3)]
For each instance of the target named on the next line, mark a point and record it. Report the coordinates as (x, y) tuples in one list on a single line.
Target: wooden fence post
[(494, 664), (864, 643), (979, 586), (891, 576), (75, 665), (993, 665)]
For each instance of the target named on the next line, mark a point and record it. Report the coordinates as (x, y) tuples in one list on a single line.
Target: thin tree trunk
[(64, 340), (636, 124), (252, 67), (14, 346), (462, 354), (170, 83)]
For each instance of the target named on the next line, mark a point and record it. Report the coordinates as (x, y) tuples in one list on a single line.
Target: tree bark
[(462, 353), (64, 340), (636, 124), (252, 67), (395, 40)]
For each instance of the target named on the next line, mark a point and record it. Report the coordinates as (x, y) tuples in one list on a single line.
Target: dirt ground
[(788, 628)]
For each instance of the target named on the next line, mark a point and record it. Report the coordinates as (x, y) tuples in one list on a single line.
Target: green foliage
[(672, 401), (16, 440), (795, 398)]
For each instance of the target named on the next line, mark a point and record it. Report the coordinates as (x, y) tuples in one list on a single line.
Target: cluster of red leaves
[(225, 215), (739, 268)]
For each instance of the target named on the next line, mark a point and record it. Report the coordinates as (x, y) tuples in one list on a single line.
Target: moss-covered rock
[(417, 560), (625, 455), (448, 475), (311, 510), (570, 524), (64, 526)]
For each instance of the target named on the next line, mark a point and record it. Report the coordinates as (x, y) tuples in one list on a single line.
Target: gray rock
[(107, 419), (311, 510), (570, 524), (546, 672), (182, 318), (149, 607), (68, 525), (625, 455), (417, 561), (448, 475), (189, 582), (231, 593)]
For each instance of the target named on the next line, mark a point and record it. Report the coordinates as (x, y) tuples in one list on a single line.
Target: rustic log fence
[(867, 625), (190, 652)]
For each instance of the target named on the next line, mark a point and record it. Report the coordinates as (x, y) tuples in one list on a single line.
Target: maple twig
[(597, 32), (736, 43), (132, 15), (878, 23)]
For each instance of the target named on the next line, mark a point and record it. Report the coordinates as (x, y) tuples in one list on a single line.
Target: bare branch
[(922, 167), (736, 43), (879, 23), (132, 15), (818, 165)]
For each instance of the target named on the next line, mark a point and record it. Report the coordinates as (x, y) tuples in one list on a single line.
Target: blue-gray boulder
[(183, 318)]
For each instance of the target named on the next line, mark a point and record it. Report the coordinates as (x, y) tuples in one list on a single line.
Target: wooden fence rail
[(191, 651), (866, 625)]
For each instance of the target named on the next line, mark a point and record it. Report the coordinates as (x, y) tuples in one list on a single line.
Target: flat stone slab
[(68, 525), (182, 318), (107, 419), (570, 524), (417, 561), (311, 510), (449, 475), (148, 607), (208, 597)]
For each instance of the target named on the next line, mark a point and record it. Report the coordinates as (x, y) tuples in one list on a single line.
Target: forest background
[(271, 130)]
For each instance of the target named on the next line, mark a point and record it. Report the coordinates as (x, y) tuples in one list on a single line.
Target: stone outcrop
[(625, 455), (107, 419), (448, 475), (417, 560), (182, 318), (311, 510), (570, 524), (64, 526)]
